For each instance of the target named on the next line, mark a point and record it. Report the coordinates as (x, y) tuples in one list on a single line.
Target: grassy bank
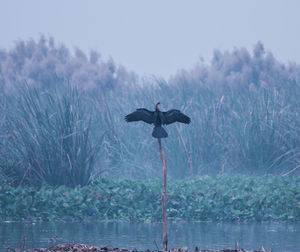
[(222, 198)]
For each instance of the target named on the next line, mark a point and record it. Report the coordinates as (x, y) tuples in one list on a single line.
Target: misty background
[(63, 109), (156, 37), (70, 73)]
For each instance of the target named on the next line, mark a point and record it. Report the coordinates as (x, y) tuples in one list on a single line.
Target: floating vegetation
[(222, 198)]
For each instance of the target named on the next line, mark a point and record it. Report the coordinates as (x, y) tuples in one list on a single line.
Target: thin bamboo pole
[(164, 198)]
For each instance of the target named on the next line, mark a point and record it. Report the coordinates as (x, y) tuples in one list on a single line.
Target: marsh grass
[(55, 136), (233, 129), (49, 138)]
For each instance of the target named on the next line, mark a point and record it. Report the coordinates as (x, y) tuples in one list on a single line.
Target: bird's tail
[(159, 132)]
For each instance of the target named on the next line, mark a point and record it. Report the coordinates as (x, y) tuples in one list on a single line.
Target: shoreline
[(85, 247)]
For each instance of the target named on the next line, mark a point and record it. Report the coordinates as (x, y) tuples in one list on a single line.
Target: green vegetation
[(233, 130), (48, 138), (45, 134), (221, 198), (66, 125)]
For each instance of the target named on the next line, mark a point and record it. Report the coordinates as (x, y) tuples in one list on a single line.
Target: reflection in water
[(279, 237)]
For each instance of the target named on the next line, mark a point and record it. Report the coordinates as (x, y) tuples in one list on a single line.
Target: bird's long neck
[(157, 121), (157, 108)]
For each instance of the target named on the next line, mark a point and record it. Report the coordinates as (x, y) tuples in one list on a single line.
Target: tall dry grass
[(56, 136), (48, 138)]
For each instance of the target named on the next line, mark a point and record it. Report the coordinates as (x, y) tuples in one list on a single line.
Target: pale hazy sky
[(156, 36)]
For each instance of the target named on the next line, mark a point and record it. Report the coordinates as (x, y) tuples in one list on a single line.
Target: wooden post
[(163, 198)]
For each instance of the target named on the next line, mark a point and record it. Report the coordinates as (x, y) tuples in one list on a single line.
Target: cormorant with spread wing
[(158, 118)]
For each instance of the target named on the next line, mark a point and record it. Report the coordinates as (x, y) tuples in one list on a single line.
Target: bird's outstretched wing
[(141, 114), (175, 115)]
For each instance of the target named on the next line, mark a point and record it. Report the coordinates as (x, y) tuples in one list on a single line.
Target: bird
[(158, 118)]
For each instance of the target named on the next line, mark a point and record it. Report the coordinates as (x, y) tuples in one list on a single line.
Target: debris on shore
[(89, 248)]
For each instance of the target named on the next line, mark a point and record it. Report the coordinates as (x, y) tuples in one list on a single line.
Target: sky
[(157, 37)]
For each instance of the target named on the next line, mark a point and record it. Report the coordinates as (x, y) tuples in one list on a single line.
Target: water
[(279, 237)]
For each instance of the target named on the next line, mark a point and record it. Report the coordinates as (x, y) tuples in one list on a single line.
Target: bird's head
[(157, 106)]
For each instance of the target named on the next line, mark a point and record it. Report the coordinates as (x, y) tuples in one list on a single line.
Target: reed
[(233, 129), (56, 136), (49, 138)]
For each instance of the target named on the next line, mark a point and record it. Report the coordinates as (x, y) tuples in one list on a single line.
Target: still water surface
[(279, 237)]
